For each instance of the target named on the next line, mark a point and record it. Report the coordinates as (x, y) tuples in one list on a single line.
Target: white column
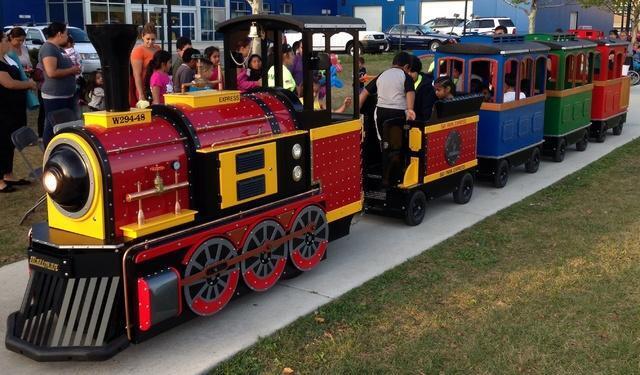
[(86, 11)]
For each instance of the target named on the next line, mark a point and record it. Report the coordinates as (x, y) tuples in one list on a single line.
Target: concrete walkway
[(375, 245)]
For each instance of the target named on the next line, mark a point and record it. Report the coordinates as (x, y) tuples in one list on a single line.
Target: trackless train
[(160, 215)]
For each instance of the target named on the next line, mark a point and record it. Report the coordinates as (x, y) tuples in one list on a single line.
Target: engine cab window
[(597, 62)]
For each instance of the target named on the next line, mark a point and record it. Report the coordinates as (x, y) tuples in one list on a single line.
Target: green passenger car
[(569, 92)]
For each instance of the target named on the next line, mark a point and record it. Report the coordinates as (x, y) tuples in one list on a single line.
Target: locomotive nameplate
[(204, 98), (49, 264), (109, 120)]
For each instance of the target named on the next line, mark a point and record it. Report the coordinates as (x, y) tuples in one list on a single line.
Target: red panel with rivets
[(133, 152), (229, 122), (337, 165), (436, 142)]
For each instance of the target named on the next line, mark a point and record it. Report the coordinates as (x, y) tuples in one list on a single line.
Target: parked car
[(88, 55), (486, 25), (451, 26), (415, 37), (369, 41)]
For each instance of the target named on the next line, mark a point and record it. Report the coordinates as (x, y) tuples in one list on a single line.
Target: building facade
[(195, 19), (382, 14)]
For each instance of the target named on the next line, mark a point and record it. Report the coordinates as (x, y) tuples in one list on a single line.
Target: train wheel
[(263, 271), (416, 208), (532, 165), (618, 129), (462, 195), (210, 295), (501, 176), (583, 143), (308, 249), (603, 133), (560, 151)]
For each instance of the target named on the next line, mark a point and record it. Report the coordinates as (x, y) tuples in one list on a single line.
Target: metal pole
[(169, 25), (464, 25), (144, 17), (163, 28), (628, 16)]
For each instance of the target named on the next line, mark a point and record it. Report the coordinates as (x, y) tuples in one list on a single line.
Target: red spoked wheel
[(261, 272), (209, 295), (308, 249)]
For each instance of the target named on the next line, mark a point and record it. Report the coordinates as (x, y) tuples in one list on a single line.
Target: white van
[(88, 55)]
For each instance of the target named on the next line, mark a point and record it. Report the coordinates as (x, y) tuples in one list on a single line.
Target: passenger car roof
[(493, 45), (297, 23)]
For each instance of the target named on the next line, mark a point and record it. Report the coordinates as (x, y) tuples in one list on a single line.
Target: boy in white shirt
[(509, 89)]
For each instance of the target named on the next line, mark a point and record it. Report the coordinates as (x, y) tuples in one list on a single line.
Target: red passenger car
[(610, 87)]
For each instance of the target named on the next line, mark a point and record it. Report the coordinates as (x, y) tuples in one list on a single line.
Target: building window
[(107, 11), (239, 8), (286, 9), (266, 8)]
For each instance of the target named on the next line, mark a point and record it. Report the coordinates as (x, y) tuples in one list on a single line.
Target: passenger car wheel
[(416, 208), (501, 176), (463, 193)]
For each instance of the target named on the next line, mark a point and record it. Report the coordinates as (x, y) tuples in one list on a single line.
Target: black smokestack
[(114, 43)]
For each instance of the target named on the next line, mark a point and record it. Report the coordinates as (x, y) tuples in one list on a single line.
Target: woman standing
[(141, 56), (59, 87), (13, 114), (17, 35)]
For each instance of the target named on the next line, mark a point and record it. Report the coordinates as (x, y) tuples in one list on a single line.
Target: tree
[(618, 7), (531, 7)]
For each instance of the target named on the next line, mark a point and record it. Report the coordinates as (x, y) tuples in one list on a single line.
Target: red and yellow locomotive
[(158, 215)]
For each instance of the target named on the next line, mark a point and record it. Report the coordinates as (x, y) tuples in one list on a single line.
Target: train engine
[(159, 215)]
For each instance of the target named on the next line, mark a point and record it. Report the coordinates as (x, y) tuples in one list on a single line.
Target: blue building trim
[(10, 11)]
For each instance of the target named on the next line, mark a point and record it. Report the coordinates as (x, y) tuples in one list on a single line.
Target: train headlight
[(296, 151), (50, 182), (66, 179), (297, 173)]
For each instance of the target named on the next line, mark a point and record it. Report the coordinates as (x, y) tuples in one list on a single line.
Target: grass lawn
[(549, 285)]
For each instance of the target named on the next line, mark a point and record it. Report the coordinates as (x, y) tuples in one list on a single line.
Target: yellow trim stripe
[(569, 92), (244, 143), (158, 223), (337, 129), (450, 171), (609, 82), (344, 211), (109, 120), (513, 104), (204, 98), (451, 124)]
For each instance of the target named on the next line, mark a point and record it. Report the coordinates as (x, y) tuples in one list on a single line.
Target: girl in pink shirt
[(158, 79)]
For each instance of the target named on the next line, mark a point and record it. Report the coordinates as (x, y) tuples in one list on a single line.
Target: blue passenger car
[(511, 73)]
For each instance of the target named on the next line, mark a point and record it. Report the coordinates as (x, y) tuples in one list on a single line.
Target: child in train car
[(95, 92), (425, 94), (444, 87), (478, 87), (187, 70), (212, 54), (396, 92), (510, 89), (157, 76), (288, 82), (254, 68)]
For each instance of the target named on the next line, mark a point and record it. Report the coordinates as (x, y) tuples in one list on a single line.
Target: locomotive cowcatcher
[(159, 215)]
